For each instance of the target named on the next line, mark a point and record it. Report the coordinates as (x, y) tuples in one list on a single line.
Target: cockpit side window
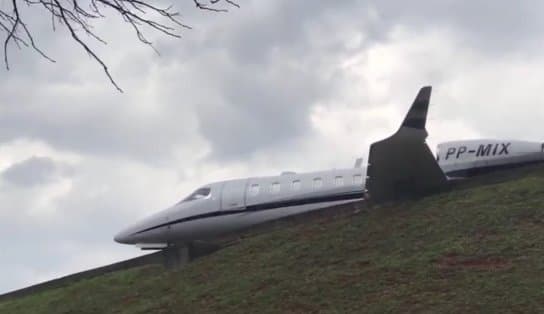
[(198, 194)]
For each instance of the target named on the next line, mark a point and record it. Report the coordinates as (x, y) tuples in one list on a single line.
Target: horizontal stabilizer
[(403, 165)]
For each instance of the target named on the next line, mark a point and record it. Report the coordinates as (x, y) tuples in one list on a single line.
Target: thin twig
[(78, 19)]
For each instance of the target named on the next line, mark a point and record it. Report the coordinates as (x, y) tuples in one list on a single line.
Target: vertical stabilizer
[(416, 117), (402, 165), (358, 163)]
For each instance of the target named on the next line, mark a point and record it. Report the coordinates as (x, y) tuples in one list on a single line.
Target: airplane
[(399, 166), (225, 206)]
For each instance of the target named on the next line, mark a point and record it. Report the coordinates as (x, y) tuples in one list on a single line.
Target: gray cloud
[(278, 64), (496, 27), (262, 67), (34, 171), (259, 110)]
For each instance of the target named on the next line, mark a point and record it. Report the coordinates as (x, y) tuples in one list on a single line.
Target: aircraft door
[(233, 195)]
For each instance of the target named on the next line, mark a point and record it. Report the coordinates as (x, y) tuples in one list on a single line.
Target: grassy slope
[(476, 249)]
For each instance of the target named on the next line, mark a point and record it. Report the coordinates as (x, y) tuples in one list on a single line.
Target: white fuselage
[(226, 206), (459, 159)]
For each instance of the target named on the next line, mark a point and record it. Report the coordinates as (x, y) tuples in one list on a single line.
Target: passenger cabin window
[(198, 194), (339, 181), (296, 185), (318, 183), (254, 189), (275, 187), (357, 179)]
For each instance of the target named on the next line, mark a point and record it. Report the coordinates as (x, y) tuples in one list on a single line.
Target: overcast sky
[(272, 86)]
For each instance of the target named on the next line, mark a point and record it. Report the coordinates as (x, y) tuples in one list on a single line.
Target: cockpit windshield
[(198, 194)]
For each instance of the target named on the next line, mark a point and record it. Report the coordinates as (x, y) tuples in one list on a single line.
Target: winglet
[(417, 115)]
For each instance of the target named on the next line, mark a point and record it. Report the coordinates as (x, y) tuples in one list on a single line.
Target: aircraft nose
[(123, 237)]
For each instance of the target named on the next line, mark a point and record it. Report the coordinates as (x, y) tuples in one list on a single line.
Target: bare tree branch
[(204, 6), (79, 19)]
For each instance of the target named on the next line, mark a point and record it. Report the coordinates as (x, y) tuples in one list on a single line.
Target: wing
[(403, 165)]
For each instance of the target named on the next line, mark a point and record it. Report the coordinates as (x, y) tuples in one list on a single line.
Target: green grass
[(472, 250)]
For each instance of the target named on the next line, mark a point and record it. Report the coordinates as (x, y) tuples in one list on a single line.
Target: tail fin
[(358, 163), (403, 165), (416, 117)]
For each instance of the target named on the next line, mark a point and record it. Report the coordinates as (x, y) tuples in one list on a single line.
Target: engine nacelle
[(474, 157)]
